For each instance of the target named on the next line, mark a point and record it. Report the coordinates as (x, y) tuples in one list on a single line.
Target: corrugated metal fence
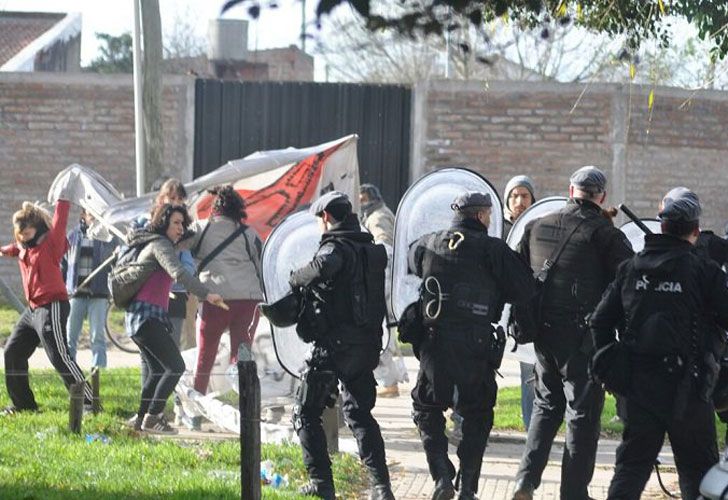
[(234, 119)]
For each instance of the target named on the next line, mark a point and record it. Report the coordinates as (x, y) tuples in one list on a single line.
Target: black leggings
[(162, 365)]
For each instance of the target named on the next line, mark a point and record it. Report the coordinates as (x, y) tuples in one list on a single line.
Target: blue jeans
[(95, 309), (527, 393)]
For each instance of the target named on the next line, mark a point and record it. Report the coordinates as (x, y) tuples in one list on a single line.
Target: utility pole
[(152, 93), (138, 118)]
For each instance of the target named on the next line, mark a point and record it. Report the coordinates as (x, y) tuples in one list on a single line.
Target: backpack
[(368, 303), (127, 275)]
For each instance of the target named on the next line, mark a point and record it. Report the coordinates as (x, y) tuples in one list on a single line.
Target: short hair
[(338, 211), (161, 217), (472, 212), (31, 215), (228, 202), (679, 228)]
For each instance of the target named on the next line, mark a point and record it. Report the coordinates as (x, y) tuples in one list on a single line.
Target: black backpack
[(368, 303)]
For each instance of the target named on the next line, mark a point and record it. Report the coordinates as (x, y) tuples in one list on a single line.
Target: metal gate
[(234, 119)]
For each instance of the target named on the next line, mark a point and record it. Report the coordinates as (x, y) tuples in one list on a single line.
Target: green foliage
[(116, 54), (40, 459), (8, 318), (639, 20)]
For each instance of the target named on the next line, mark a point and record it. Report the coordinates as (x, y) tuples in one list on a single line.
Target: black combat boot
[(381, 492), (444, 489), (468, 484), (318, 489), (524, 490)]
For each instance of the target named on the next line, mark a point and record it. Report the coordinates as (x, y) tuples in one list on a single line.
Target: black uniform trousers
[(43, 325), (692, 438), (563, 389), (354, 366), (449, 360)]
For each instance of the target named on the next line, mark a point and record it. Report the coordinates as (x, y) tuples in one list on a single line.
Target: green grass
[(41, 459), (8, 318), (508, 415)]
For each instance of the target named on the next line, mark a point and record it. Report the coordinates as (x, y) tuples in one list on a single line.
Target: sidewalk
[(411, 479)]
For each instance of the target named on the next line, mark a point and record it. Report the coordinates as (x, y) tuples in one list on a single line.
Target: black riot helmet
[(283, 312)]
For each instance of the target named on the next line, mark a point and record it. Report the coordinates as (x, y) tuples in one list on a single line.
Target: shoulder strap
[(208, 258), (202, 236), (549, 263)]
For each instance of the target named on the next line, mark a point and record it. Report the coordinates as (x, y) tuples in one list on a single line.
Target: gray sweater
[(234, 272), (160, 251)]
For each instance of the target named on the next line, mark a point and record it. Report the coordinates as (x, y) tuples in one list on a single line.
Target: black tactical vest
[(457, 285), (578, 279), (661, 312)]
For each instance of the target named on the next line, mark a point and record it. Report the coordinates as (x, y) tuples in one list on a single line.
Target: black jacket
[(330, 273), (672, 285)]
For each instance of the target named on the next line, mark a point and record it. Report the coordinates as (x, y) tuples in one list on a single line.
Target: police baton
[(629, 213)]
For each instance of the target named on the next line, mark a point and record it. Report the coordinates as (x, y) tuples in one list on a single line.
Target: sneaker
[(135, 422), (157, 424), (11, 410), (390, 391)]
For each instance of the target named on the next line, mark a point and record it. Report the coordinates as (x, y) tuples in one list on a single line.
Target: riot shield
[(425, 208), (636, 235), (525, 353), (291, 245)]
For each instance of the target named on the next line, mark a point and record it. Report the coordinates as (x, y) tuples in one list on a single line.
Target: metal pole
[(138, 111)]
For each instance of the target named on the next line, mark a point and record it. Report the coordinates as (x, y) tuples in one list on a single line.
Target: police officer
[(591, 249), (347, 340), (662, 292), (467, 276)]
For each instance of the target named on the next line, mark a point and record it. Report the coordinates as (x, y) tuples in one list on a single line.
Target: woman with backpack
[(228, 253), (147, 316)]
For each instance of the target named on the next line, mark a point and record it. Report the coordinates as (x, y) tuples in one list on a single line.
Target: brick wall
[(48, 121), (548, 130)]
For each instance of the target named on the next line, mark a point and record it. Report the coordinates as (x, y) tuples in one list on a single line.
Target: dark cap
[(328, 200), (371, 191), (589, 179), (471, 199), (680, 204)]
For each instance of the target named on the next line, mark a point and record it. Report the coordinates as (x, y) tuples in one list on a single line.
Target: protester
[(92, 300), (172, 191), (378, 219), (40, 244), (147, 318), (519, 195), (228, 255)]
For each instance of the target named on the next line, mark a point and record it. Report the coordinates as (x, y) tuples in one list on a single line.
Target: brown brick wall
[(50, 121), (548, 130)]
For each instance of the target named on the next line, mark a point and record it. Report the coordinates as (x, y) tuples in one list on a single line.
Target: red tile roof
[(18, 29)]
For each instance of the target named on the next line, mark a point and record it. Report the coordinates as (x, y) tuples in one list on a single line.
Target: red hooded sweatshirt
[(40, 266)]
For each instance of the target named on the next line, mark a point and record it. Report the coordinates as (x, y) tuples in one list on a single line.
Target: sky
[(275, 28)]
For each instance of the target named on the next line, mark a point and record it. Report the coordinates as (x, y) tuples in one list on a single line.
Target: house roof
[(19, 29)]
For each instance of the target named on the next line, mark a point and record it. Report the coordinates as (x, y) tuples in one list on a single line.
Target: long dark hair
[(228, 202), (161, 217)]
